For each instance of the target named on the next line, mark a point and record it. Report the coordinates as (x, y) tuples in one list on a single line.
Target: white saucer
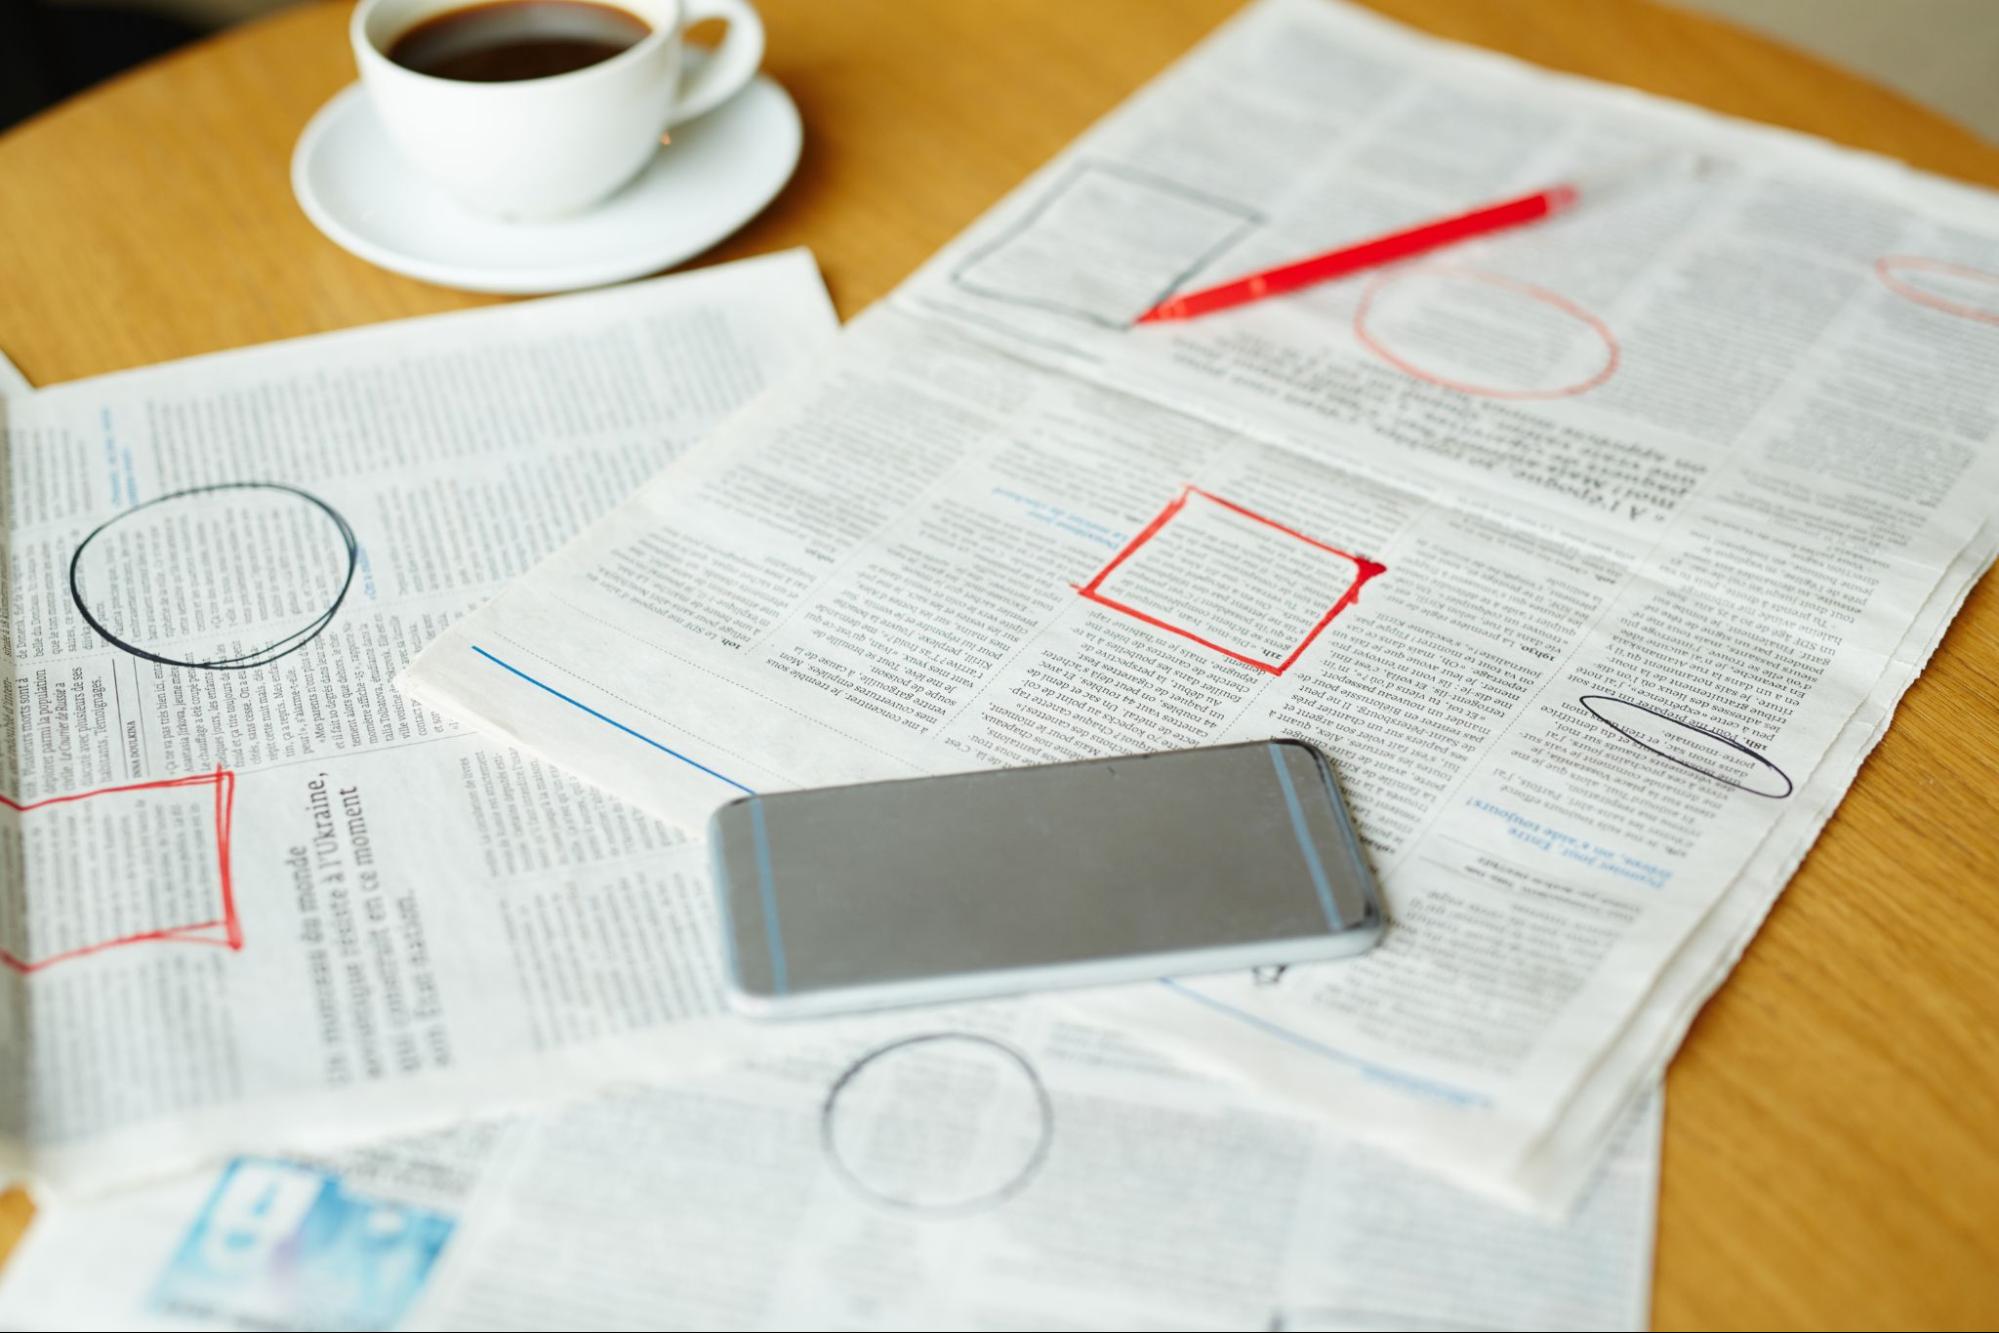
[(717, 174)]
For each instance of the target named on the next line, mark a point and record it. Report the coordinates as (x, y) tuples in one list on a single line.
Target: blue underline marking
[(611, 721), (1380, 1073), (1305, 839), (772, 934)]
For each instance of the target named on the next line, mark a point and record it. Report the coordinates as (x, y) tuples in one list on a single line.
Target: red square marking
[(1183, 573), (200, 818)]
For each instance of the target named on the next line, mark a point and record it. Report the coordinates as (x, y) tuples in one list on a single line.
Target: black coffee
[(504, 40)]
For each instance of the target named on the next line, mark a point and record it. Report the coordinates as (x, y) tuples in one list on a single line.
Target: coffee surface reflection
[(503, 41)]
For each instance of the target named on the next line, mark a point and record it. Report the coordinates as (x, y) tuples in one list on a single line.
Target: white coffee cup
[(541, 148)]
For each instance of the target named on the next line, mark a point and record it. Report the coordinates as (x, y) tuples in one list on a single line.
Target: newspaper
[(1596, 553), (535, 940), (13, 384), (996, 1166), (251, 896)]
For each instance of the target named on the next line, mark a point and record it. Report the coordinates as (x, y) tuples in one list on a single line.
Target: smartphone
[(1078, 874)]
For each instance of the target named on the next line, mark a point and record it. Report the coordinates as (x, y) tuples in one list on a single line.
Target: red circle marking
[(1885, 268), (1612, 353)]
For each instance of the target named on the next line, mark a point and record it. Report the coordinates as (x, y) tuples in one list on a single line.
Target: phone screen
[(1081, 873)]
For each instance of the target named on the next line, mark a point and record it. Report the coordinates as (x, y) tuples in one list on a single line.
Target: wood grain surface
[(1829, 1151)]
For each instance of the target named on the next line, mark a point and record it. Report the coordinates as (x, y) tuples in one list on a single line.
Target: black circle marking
[(991, 1198), (1708, 732), (270, 652)]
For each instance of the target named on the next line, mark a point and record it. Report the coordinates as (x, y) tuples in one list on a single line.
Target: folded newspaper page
[(251, 896), (998, 1166), (1596, 553)]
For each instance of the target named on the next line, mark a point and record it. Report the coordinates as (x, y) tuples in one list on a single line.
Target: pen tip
[(1155, 315)]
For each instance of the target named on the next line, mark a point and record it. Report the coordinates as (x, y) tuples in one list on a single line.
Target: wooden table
[(1829, 1153)]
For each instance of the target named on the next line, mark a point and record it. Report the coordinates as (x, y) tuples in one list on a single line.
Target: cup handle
[(732, 64)]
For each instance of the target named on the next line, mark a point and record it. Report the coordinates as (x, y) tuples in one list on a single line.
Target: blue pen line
[(612, 721), (1304, 839), (1442, 1091), (775, 937)]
